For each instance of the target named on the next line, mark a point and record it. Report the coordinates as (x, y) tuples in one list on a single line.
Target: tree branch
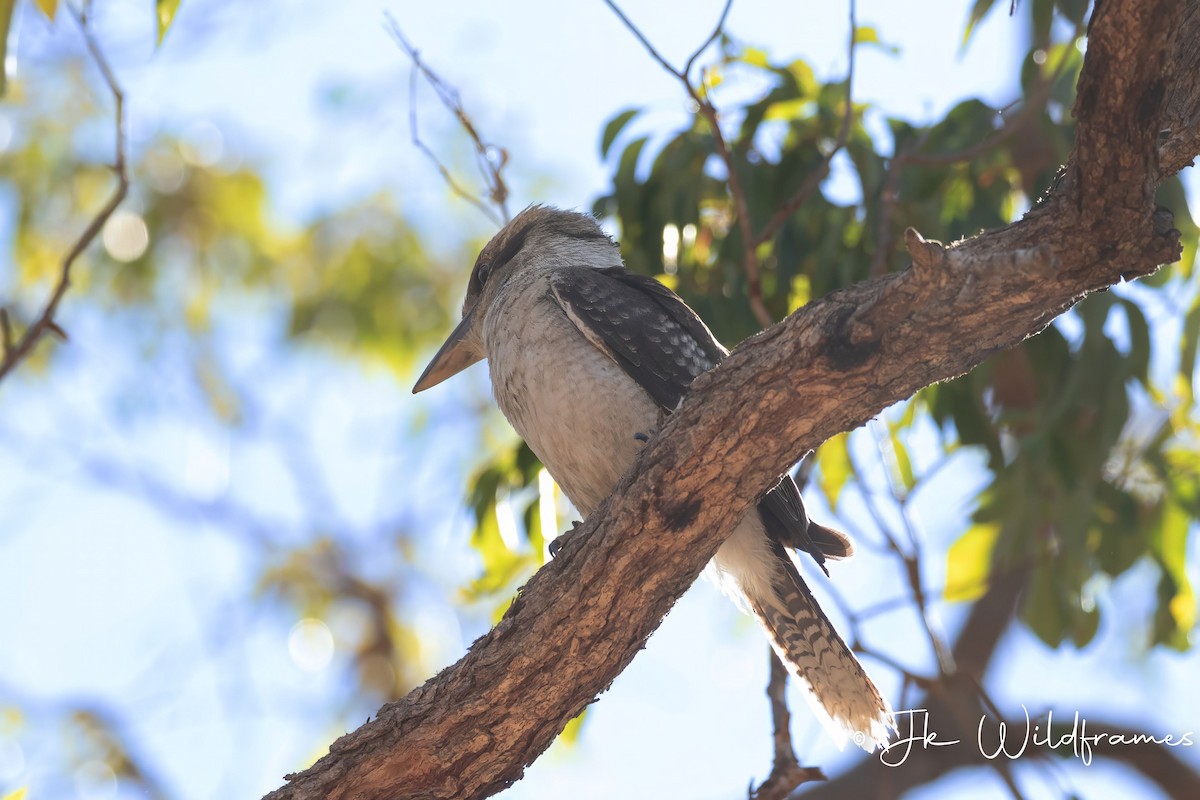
[(15, 351), (472, 729), (490, 159), (707, 110), (786, 772), (814, 178)]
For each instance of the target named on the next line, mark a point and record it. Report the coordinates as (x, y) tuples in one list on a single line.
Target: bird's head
[(539, 238)]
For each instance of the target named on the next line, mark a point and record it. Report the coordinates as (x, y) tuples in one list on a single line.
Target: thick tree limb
[(471, 730)]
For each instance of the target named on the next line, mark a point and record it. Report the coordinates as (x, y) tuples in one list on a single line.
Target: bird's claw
[(642, 437)]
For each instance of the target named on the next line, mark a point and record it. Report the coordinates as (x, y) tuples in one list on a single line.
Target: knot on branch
[(931, 267), (927, 254), (901, 296)]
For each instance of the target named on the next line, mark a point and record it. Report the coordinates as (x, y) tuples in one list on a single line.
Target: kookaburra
[(585, 358)]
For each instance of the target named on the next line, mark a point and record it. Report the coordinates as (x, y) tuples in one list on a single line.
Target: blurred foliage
[(1088, 431), (197, 229), (1079, 492), (194, 252)]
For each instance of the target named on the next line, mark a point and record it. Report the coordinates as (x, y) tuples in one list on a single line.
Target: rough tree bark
[(472, 729)]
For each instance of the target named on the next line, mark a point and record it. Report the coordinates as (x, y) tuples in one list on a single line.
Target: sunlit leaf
[(1176, 615), (48, 7), (164, 16), (789, 109), (754, 57), (6, 14), (868, 35), (806, 79), (969, 563), (18, 794), (1188, 348), (865, 34), (902, 463), (801, 292), (835, 467), (570, 734)]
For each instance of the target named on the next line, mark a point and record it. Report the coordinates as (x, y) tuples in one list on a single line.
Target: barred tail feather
[(837, 687)]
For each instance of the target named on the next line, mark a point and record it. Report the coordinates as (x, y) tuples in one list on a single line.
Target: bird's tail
[(834, 682)]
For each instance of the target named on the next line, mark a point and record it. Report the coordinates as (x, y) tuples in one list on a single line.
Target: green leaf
[(903, 465), (1074, 10), (805, 78), (868, 35), (1139, 341), (6, 12), (978, 12), (48, 7), (165, 13), (969, 562), (1042, 609), (1188, 348), (1176, 616), (833, 458), (1084, 624), (614, 128)]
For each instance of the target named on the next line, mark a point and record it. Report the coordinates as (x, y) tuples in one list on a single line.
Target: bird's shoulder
[(647, 329)]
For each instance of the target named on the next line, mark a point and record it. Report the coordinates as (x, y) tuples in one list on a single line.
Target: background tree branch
[(14, 350), (472, 729)]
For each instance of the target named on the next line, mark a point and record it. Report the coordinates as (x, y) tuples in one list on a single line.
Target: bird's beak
[(452, 358)]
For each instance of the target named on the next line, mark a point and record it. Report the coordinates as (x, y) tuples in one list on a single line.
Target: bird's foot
[(555, 547)]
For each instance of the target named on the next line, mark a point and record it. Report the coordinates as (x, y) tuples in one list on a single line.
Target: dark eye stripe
[(511, 248), (484, 270)]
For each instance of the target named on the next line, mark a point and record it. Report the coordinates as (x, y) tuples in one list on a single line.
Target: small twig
[(889, 197), (15, 352), (910, 560), (814, 178), (490, 166), (720, 26), (704, 106), (708, 111), (786, 771), (6, 332)]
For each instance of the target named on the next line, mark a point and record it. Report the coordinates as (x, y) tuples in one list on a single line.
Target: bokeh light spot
[(310, 644), (125, 236)]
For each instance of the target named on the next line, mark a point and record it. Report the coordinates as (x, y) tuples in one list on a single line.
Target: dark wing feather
[(642, 325), (663, 345), (788, 523)]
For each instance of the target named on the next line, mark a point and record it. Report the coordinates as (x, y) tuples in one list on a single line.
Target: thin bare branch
[(786, 772), (6, 334), (15, 352), (720, 26), (650, 48), (814, 178), (910, 154), (708, 111), (490, 158)]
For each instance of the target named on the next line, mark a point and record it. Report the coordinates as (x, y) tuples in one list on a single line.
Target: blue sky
[(320, 91)]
